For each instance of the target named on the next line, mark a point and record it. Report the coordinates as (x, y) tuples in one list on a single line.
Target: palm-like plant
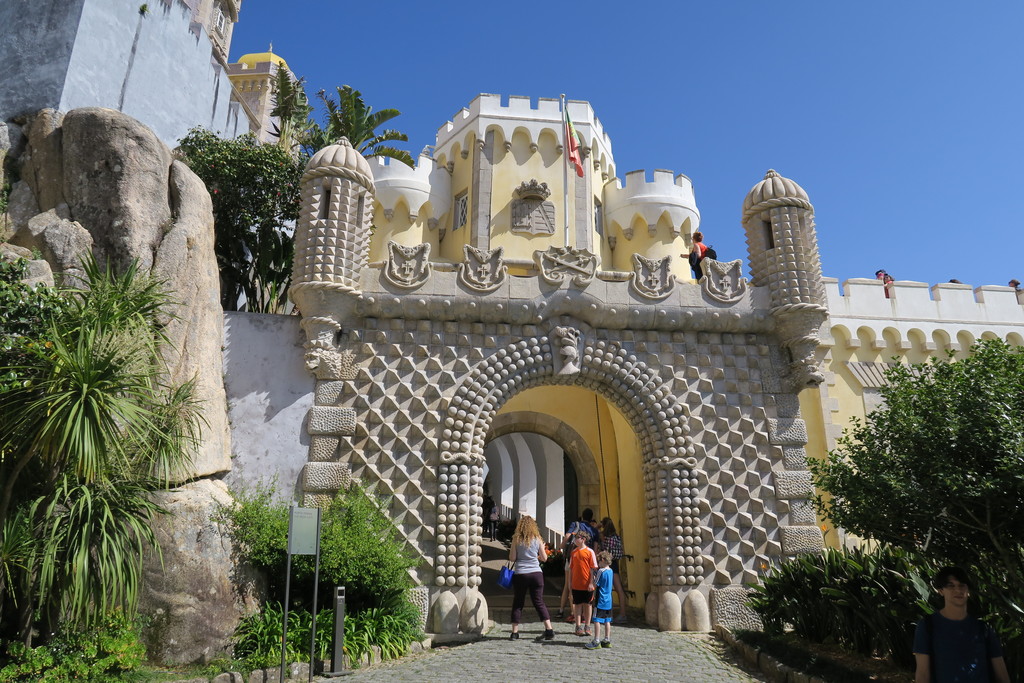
[(92, 430), (348, 116), (292, 109)]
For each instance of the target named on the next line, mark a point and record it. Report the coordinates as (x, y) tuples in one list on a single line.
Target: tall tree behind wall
[(255, 192)]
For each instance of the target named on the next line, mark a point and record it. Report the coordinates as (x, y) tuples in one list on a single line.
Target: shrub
[(866, 601), (108, 651), (258, 636), (392, 627), (360, 548)]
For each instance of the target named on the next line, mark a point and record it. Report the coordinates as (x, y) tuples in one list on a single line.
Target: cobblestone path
[(638, 653)]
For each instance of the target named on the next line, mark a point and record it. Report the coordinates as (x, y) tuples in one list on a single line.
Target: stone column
[(459, 605), (675, 537), (483, 172)]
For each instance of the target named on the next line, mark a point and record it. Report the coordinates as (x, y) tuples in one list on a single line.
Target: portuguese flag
[(572, 145)]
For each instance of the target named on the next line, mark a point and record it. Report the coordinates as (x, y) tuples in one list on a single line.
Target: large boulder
[(98, 175), (42, 164), (186, 262), (61, 242), (97, 179), (197, 594), (115, 181)]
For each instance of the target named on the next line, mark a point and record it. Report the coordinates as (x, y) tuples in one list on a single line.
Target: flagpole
[(565, 165)]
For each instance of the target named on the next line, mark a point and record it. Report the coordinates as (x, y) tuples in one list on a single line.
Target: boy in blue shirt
[(603, 580), (951, 645)]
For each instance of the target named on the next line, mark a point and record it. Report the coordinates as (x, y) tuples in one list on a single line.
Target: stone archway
[(567, 438), (566, 356)]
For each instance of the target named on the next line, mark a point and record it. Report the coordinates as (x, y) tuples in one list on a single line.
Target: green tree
[(348, 116), (292, 109), (940, 469), (88, 429), (255, 193), (942, 463)]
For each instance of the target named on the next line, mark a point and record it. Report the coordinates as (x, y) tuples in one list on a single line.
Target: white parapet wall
[(943, 316)]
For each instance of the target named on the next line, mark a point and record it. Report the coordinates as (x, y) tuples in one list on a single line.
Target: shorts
[(615, 566), (602, 616), (581, 597)]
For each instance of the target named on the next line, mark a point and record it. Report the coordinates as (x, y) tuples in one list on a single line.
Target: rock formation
[(96, 179)]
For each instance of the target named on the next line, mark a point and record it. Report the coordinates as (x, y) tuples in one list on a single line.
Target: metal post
[(338, 658), (316, 586), (287, 593)]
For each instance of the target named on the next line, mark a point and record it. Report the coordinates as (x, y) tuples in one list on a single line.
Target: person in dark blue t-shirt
[(952, 646)]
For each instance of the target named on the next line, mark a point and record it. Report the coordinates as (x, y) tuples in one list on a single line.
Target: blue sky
[(901, 119)]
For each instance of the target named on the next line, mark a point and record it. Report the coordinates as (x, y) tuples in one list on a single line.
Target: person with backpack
[(950, 645), (698, 253)]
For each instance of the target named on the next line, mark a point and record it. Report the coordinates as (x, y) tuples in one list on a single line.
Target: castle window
[(598, 218), (769, 238), (219, 20), (461, 212), (325, 202)]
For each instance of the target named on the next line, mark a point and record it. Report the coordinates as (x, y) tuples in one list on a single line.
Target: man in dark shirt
[(952, 646)]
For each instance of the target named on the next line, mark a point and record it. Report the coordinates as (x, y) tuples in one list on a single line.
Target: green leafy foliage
[(255, 192), (349, 116), (359, 545), (866, 601), (89, 427), (292, 109), (258, 637), (107, 651), (27, 311), (391, 627), (940, 469), (942, 464)]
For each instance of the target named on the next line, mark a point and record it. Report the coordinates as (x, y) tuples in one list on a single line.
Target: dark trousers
[(533, 582)]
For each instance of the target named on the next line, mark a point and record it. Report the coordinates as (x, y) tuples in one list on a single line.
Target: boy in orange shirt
[(582, 563)]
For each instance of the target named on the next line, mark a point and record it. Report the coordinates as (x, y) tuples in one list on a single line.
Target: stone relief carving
[(531, 213), (558, 263), (567, 339), (651, 277), (482, 270), (322, 356), (723, 281), (407, 267), (797, 328)]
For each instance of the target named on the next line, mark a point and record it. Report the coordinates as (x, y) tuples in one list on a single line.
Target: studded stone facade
[(706, 387)]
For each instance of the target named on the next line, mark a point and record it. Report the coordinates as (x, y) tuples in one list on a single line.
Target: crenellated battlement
[(394, 182), (651, 199), (947, 315), (520, 113)]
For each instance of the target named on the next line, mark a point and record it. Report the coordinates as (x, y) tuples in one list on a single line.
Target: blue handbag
[(505, 576)]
